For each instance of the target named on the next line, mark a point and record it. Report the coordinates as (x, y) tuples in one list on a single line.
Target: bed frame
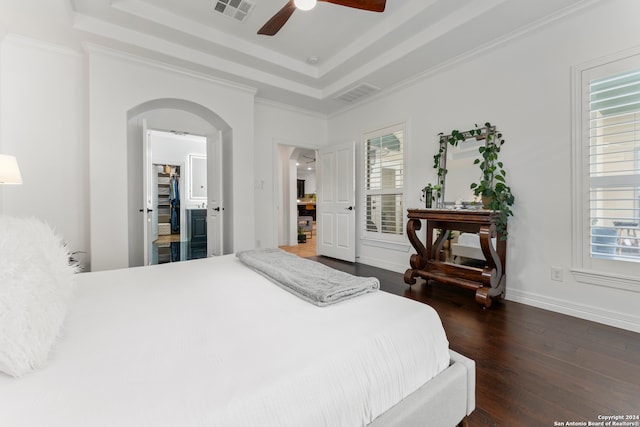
[(444, 401)]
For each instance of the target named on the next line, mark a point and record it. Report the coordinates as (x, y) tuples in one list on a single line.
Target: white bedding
[(211, 343)]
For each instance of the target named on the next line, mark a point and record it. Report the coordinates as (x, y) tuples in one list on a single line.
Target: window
[(384, 183), (607, 144), (614, 165)]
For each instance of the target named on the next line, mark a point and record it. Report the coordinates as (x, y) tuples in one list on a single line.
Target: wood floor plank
[(534, 367)]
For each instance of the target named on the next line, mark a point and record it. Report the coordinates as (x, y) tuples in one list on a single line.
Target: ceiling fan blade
[(371, 5), (276, 22)]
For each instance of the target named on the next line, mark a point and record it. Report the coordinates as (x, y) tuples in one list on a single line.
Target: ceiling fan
[(278, 20)]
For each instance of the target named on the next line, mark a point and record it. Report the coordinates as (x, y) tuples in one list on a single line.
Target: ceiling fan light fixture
[(305, 4), (276, 22)]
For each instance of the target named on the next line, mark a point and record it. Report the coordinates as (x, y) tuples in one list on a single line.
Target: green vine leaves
[(492, 187)]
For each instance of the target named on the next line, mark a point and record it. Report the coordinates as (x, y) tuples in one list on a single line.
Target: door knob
[(217, 209), (350, 208)]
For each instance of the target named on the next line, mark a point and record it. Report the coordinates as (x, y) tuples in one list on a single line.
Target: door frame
[(286, 216), (215, 196), (147, 195), (189, 117), (185, 180)]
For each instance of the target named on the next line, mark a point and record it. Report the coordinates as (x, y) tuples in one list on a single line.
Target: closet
[(168, 213)]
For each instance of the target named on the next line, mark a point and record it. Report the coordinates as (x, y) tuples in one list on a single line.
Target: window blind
[(614, 166), (384, 182)]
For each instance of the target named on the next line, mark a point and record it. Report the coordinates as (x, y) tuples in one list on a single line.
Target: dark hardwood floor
[(534, 367)]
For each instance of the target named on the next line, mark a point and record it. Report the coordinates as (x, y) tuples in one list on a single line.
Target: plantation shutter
[(384, 182), (614, 166)]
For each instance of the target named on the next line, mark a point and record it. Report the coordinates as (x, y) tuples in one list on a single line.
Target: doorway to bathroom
[(177, 187)]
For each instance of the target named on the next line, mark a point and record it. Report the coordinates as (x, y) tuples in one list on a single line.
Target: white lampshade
[(305, 4), (9, 171)]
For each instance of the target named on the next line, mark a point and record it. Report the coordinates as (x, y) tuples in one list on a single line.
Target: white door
[(336, 216), (149, 236), (215, 207)]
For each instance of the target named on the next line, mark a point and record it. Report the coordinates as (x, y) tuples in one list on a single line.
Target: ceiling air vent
[(357, 92), (235, 9)]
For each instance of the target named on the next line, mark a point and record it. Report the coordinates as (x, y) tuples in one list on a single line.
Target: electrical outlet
[(556, 274)]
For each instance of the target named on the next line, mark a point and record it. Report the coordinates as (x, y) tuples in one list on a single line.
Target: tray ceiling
[(322, 60)]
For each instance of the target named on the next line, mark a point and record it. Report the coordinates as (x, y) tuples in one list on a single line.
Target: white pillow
[(36, 287)]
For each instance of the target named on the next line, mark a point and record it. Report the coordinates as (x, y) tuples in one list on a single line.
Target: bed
[(210, 342)]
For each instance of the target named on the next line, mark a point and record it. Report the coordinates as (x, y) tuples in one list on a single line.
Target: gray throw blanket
[(313, 282)]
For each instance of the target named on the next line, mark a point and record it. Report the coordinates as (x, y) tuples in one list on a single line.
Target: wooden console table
[(430, 262)]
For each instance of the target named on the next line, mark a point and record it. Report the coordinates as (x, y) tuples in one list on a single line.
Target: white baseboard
[(587, 312), (374, 262)]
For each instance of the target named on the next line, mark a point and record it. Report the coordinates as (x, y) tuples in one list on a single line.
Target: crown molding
[(92, 49), (31, 42), (159, 16), (153, 44)]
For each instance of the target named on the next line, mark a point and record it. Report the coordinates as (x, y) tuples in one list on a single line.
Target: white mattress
[(209, 342)]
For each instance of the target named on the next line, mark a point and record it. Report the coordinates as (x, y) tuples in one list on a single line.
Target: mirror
[(456, 157), (198, 175)]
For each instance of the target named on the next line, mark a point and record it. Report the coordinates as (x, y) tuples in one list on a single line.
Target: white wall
[(44, 121), (59, 104), (43, 114), (523, 87), (117, 85), (309, 178)]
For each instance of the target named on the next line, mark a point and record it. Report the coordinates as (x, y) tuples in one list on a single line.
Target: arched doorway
[(184, 117)]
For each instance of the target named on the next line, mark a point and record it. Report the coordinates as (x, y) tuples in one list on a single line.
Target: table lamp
[(9, 171)]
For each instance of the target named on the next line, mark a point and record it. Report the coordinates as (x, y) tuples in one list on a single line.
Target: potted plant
[(492, 188), (302, 238), (428, 194)]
